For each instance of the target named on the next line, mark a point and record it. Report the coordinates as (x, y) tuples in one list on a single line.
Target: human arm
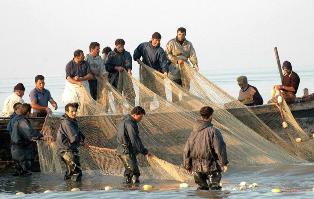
[(219, 147)]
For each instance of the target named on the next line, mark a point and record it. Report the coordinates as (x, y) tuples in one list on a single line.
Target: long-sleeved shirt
[(69, 136), (153, 57), (128, 137), (185, 51), (114, 59), (205, 149), (9, 103), (96, 64)]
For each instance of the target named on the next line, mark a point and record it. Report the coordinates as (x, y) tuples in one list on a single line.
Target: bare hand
[(180, 61), (149, 155), (48, 110), (278, 87), (196, 68), (119, 68), (130, 72), (76, 78), (165, 74), (55, 105), (225, 168)]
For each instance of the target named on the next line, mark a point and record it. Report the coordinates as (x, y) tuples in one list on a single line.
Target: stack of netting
[(165, 128)]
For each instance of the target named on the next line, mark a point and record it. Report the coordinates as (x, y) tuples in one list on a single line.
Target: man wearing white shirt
[(14, 98)]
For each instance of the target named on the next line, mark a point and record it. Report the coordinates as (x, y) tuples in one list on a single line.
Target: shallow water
[(295, 181)]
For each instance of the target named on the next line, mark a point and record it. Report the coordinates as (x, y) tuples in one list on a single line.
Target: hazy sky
[(39, 36)]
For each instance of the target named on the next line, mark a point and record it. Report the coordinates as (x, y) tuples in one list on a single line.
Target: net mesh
[(171, 113)]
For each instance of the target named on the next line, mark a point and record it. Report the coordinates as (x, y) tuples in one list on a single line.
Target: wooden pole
[(278, 63)]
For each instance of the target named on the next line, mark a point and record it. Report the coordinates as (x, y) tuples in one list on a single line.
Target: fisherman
[(40, 97), (153, 56), (119, 60), (290, 83), (180, 51), (69, 138), (97, 68), (77, 75), (15, 97), (205, 152), (130, 144), (248, 94), (16, 112), (22, 136), (105, 53)]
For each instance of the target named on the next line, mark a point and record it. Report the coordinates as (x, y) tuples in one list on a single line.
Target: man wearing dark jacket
[(69, 138), (117, 63), (155, 57), (205, 152), (130, 144), (22, 135)]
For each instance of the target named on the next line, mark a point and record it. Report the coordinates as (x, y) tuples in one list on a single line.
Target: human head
[(242, 81), (94, 48), (19, 89), (137, 113), (16, 107), (207, 113), (286, 68), (78, 55), (156, 37), (40, 82), (181, 33), (71, 110), (119, 43), (106, 50), (25, 109)]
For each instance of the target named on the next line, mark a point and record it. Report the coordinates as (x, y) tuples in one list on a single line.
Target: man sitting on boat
[(22, 136), (40, 97), (14, 98), (69, 138), (290, 83), (248, 94), (205, 152), (77, 75), (130, 144)]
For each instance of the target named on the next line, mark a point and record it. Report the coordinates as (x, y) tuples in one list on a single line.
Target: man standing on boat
[(290, 83), (69, 138), (130, 144), (15, 97), (205, 152), (22, 135), (97, 68), (118, 65), (248, 94), (180, 51), (153, 56), (40, 97), (77, 75)]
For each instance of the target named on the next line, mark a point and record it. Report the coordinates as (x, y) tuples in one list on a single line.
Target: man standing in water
[(69, 138), (130, 144), (97, 68), (22, 135), (40, 97), (205, 152)]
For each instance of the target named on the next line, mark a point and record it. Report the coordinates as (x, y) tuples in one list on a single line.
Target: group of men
[(250, 96), (87, 72)]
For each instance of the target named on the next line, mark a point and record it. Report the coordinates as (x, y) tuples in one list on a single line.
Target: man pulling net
[(69, 138)]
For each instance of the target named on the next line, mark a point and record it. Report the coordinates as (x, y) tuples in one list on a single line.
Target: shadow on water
[(295, 181)]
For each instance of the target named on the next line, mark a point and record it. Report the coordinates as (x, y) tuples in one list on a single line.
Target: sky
[(39, 36)]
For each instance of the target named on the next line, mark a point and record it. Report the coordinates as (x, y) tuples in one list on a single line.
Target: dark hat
[(19, 87)]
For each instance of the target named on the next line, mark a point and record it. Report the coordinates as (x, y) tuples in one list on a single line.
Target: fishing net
[(171, 113)]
